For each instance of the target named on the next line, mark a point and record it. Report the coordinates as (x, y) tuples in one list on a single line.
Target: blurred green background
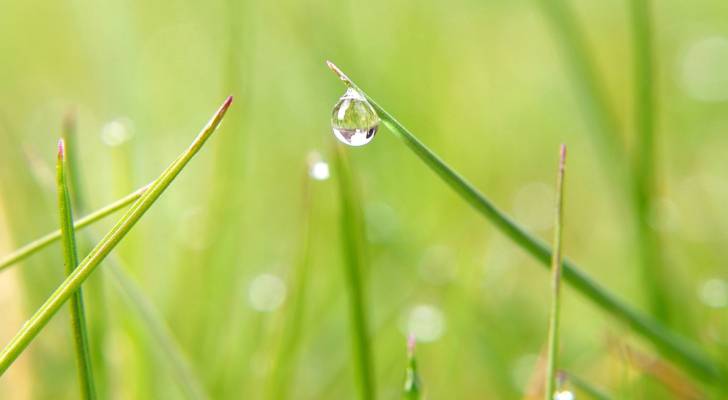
[(485, 84)]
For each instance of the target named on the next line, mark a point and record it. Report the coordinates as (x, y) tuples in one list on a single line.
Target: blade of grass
[(97, 314), (553, 344), (41, 317), (353, 251), (644, 159), (285, 361), (40, 243), (69, 135), (139, 303), (679, 349), (412, 384), (70, 256)]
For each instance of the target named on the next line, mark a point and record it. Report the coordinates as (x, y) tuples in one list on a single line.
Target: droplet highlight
[(353, 119)]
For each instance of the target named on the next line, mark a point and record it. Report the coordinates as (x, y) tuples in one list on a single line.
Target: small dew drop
[(353, 119)]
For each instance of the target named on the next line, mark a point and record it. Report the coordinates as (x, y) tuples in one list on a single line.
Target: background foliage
[(483, 83)]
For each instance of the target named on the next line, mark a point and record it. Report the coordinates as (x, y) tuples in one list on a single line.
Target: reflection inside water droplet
[(353, 119)]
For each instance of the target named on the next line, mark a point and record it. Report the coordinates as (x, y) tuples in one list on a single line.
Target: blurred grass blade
[(154, 322), (412, 383), (553, 343), (604, 123), (287, 356), (586, 387), (590, 89), (38, 244), (34, 325), (352, 232), (648, 244), (70, 257), (672, 345)]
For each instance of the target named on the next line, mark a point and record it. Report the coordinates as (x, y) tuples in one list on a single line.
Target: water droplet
[(354, 120), (266, 293)]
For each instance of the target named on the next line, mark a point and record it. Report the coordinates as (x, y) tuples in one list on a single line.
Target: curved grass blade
[(553, 344), (353, 249), (41, 317), (40, 243), (70, 257), (679, 349)]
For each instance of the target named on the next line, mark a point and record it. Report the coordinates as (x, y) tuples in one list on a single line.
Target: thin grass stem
[(70, 257), (553, 341), (41, 317), (353, 251), (93, 291), (677, 348), (40, 243)]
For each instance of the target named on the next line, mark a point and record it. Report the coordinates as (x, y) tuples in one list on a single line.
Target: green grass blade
[(352, 231), (97, 315), (40, 243), (155, 326), (75, 189), (553, 343), (412, 383), (672, 345), (285, 361), (648, 246), (34, 325), (70, 256)]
